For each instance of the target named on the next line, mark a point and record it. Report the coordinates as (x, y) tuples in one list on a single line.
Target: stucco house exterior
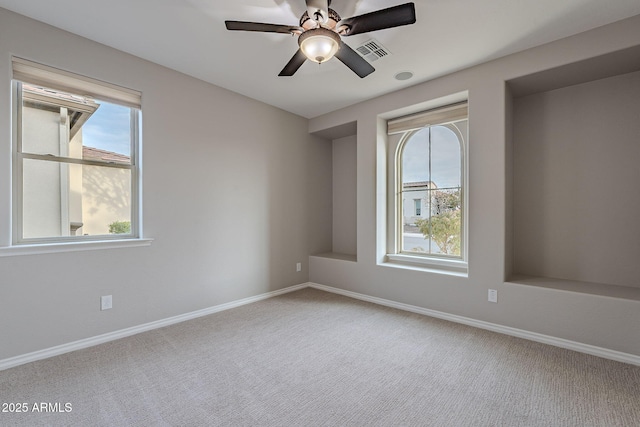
[(415, 201)]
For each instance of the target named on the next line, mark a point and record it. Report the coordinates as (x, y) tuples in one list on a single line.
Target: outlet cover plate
[(106, 302)]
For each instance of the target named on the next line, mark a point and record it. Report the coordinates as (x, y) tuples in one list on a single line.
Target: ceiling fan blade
[(260, 27), (293, 64), (351, 59), (396, 16), (318, 10)]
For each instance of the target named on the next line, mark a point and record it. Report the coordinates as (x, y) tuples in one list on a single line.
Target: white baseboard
[(111, 336), (520, 333)]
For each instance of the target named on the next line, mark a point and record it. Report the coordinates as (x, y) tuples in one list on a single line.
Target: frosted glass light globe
[(319, 44)]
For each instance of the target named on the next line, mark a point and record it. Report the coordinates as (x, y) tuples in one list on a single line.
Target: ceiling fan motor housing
[(308, 23)]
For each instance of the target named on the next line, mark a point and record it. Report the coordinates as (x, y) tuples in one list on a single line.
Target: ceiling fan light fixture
[(319, 44), (321, 30)]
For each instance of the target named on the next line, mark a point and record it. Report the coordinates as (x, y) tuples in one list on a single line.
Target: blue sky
[(109, 129), (445, 161)]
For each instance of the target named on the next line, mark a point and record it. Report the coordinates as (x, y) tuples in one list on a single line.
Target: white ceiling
[(190, 36)]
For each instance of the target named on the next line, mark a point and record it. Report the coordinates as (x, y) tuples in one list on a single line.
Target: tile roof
[(92, 153)]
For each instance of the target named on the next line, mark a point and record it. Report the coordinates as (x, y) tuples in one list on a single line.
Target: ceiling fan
[(321, 30)]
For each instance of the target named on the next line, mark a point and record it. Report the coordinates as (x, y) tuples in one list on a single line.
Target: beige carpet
[(311, 358)]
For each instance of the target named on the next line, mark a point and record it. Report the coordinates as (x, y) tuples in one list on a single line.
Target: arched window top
[(430, 173), (433, 154)]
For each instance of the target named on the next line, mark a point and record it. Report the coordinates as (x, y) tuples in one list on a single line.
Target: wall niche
[(574, 152), (342, 141)]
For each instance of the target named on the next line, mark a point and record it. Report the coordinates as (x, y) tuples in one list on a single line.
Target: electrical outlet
[(106, 302), (299, 266), (493, 295)]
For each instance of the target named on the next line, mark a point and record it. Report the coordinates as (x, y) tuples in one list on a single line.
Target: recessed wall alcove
[(573, 177), (342, 184)]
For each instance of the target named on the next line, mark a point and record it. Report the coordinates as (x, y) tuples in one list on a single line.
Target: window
[(427, 188), (76, 165)]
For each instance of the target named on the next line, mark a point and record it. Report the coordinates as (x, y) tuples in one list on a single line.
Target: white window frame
[(25, 71), (400, 131)]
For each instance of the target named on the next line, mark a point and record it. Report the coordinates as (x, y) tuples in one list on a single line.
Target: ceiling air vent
[(372, 50)]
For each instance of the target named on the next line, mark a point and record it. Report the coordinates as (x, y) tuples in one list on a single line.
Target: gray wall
[(226, 180), (344, 182), (576, 175), (583, 317)]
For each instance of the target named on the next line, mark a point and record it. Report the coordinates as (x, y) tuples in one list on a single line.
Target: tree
[(445, 201), (120, 227), (443, 226)]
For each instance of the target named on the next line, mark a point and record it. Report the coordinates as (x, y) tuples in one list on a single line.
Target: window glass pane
[(445, 221), (41, 127), (445, 199), (41, 198), (445, 157), (106, 200), (108, 132), (67, 125), (61, 199), (415, 177), (415, 158), (431, 192)]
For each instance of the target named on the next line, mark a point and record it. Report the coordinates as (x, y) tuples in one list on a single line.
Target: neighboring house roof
[(92, 153), (59, 95), (418, 184), (80, 108)]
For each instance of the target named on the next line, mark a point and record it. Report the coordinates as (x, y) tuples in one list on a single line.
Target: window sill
[(431, 265), (48, 248), (339, 256)]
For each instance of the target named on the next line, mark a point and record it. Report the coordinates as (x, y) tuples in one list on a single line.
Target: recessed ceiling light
[(404, 75)]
